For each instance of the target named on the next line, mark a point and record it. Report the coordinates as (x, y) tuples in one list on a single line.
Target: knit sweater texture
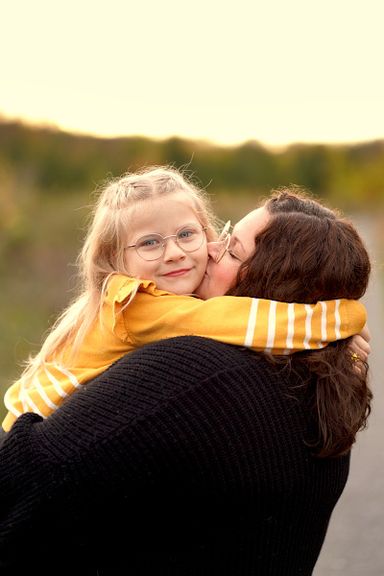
[(187, 458)]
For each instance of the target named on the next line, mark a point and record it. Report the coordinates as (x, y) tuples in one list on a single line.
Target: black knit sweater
[(185, 458)]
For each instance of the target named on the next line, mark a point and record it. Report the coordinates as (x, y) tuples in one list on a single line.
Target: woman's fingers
[(360, 348), (365, 333)]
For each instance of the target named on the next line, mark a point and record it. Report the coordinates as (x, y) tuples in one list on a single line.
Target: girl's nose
[(172, 250)]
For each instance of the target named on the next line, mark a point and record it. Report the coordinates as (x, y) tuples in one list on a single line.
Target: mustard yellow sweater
[(152, 314)]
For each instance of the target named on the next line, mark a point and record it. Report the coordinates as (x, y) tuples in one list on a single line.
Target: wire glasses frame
[(151, 247), (223, 242)]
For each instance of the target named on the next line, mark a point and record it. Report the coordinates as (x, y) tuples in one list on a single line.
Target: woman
[(195, 457), (293, 249)]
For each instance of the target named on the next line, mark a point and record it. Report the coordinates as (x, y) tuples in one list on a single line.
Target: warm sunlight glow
[(272, 71)]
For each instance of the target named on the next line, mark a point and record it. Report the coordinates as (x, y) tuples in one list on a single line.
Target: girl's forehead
[(169, 201), (162, 214)]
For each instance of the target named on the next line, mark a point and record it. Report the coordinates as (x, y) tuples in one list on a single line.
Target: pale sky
[(277, 71)]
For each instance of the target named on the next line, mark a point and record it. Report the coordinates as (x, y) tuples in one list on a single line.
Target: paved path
[(354, 544)]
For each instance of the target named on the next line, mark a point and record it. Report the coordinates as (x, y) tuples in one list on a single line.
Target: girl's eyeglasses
[(151, 247)]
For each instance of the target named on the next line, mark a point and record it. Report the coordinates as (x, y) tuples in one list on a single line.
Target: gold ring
[(355, 357)]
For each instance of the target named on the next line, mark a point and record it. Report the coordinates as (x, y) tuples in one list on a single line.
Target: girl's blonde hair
[(103, 250)]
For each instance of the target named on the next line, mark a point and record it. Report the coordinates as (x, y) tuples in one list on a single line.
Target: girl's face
[(221, 276), (176, 270)]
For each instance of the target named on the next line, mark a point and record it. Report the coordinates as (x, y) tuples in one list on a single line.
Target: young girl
[(146, 248)]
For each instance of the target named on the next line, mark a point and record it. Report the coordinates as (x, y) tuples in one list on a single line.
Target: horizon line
[(203, 140)]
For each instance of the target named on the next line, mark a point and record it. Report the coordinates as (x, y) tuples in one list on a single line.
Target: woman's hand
[(360, 347)]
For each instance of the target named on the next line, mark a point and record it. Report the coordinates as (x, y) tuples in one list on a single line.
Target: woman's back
[(189, 459)]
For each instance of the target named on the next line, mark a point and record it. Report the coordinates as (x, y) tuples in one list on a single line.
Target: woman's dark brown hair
[(305, 254)]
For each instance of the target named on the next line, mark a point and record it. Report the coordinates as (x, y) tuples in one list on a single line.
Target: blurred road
[(354, 545)]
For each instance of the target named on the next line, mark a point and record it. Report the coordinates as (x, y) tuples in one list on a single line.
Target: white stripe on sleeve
[(323, 324), (251, 323), (308, 327), (337, 320), (42, 393), (69, 375), (291, 326), (30, 404), (271, 325), (55, 383)]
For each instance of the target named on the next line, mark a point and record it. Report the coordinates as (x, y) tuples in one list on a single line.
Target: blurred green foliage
[(52, 161), (47, 180)]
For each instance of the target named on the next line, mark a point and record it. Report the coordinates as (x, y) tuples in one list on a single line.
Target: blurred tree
[(53, 161)]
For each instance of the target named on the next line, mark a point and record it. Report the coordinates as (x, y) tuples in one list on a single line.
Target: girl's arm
[(138, 313), (263, 325)]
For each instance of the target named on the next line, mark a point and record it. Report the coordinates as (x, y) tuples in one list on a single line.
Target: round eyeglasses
[(223, 242), (151, 247)]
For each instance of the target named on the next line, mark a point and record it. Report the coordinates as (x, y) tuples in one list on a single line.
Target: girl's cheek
[(225, 274), (204, 257)]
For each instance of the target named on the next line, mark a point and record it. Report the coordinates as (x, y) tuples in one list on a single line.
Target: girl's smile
[(176, 273)]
